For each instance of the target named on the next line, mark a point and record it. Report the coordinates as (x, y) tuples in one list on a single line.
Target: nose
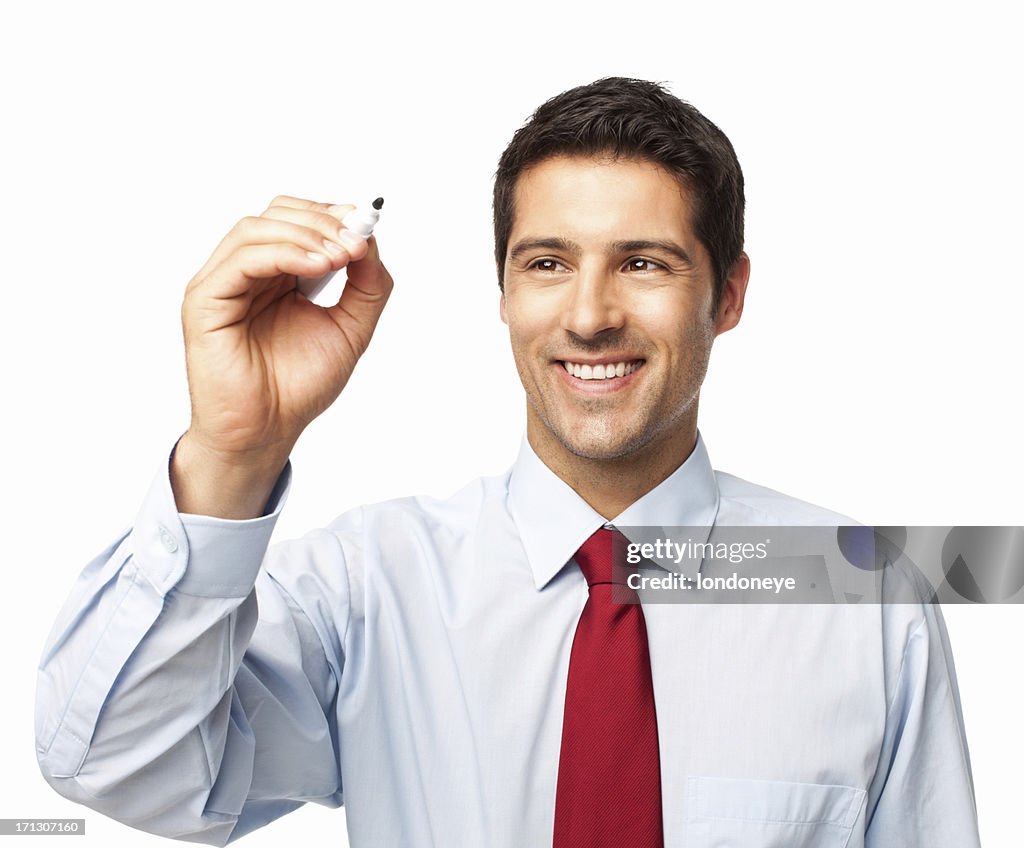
[(593, 305)]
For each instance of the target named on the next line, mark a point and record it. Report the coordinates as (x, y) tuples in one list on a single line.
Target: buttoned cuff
[(199, 554)]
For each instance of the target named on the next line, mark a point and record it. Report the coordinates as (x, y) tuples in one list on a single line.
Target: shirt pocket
[(735, 813)]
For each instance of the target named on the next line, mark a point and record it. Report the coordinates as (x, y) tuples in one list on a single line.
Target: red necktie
[(609, 772)]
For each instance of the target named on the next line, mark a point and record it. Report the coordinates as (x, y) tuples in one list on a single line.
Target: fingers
[(297, 203), (234, 276), (327, 225), (314, 226), (325, 219), (292, 237)]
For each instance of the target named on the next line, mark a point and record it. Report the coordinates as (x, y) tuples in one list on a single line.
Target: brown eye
[(549, 265), (638, 263)]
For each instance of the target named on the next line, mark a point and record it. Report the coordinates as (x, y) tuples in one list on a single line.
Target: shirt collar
[(553, 521)]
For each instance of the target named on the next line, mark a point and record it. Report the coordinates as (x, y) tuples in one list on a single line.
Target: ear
[(730, 308), (501, 309)]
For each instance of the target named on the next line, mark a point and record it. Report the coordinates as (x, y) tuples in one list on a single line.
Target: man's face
[(608, 299)]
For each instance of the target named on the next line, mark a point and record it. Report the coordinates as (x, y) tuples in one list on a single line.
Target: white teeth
[(600, 372)]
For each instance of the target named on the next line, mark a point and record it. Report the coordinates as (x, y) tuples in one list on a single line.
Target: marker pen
[(361, 222)]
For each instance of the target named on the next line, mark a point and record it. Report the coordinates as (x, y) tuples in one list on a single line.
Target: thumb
[(365, 294)]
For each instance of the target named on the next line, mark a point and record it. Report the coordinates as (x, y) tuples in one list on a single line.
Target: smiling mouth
[(605, 371)]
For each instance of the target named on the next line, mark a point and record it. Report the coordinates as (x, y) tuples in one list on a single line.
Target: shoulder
[(743, 502), (458, 514), (900, 590)]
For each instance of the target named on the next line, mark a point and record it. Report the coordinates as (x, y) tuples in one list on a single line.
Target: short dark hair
[(633, 119)]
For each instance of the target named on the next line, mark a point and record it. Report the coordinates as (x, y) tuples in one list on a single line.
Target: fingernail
[(332, 248), (319, 257), (350, 240)]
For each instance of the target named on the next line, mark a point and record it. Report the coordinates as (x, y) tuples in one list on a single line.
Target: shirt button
[(170, 543)]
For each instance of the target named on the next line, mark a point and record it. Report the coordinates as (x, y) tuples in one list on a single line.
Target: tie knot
[(597, 556)]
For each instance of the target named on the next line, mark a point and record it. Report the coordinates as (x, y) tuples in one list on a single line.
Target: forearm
[(135, 713), (151, 751)]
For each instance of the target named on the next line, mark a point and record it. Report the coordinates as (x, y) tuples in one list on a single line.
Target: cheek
[(674, 321), (665, 329), (528, 320), (519, 335)]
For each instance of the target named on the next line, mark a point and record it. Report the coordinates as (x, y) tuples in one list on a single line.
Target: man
[(457, 672)]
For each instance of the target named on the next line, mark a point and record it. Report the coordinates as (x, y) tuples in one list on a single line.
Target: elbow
[(141, 800)]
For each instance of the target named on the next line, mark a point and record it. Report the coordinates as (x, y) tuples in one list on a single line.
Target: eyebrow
[(560, 244), (632, 246), (640, 246)]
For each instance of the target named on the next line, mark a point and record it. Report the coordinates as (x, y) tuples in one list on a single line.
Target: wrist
[(224, 484)]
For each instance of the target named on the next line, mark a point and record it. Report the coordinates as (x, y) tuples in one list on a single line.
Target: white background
[(876, 370)]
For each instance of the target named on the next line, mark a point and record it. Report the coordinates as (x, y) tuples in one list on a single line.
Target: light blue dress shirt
[(410, 660)]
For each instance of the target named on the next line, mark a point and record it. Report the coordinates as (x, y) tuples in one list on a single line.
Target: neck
[(609, 486)]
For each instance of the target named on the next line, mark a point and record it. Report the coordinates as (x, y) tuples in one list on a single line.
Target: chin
[(603, 446)]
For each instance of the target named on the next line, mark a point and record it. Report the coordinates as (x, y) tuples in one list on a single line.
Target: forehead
[(601, 198)]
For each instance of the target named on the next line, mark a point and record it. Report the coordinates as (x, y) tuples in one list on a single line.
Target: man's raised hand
[(262, 360)]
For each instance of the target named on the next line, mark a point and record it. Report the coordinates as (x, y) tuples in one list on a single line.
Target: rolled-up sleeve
[(183, 689)]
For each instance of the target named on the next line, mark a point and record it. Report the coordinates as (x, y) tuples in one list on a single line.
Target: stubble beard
[(605, 435)]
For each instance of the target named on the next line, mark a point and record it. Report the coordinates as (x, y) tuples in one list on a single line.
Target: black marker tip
[(378, 203)]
